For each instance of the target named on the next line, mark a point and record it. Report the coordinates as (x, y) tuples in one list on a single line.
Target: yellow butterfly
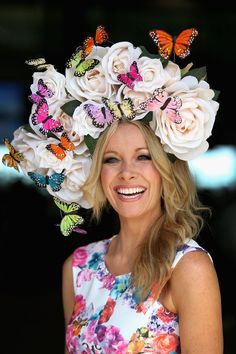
[(125, 109), (13, 158)]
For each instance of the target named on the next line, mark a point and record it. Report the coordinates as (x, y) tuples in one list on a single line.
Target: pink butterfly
[(100, 115), (42, 92), (162, 100), (130, 77), (47, 123)]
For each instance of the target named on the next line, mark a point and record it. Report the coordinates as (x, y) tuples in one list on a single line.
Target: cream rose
[(118, 59), (188, 139), (93, 85), (74, 180), (55, 82), (83, 123), (153, 75)]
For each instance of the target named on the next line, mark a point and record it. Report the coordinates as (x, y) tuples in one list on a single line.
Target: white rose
[(173, 73), (74, 180), (26, 142), (187, 140), (55, 82), (118, 59), (153, 75), (93, 85), (83, 124)]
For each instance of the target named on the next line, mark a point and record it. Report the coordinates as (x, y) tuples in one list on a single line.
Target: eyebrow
[(115, 152)]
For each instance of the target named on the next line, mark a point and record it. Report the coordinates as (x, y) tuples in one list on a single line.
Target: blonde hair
[(181, 218)]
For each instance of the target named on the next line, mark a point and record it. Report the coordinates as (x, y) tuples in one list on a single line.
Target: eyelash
[(114, 159)]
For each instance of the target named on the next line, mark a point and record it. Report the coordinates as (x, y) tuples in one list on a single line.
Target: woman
[(151, 286)]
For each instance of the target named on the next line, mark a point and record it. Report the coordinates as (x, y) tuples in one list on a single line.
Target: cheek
[(105, 178)]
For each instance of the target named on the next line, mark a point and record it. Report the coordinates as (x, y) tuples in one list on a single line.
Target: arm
[(68, 295), (196, 295)]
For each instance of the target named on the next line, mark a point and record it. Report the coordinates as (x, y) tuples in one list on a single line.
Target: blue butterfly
[(54, 181)]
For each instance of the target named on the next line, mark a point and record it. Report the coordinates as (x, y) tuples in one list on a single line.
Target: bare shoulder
[(67, 265), (194, 276)]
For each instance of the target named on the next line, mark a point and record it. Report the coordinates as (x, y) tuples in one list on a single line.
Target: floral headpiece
[(103, 84)]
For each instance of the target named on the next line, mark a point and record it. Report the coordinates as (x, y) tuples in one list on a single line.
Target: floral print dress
[(107, 317)]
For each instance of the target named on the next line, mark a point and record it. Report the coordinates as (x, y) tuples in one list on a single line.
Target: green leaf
[(172, 157), (217, 93), (28, 128), (147, 118), (91, 143), (146, 53), (199, 73), (69, 107)]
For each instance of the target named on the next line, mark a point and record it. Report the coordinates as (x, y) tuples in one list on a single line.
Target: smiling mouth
[(130, 193)]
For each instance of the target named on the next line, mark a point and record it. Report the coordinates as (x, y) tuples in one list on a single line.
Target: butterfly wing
[(76, 58), (88, 45), (48, 124), (85, 66), (55, 181), (101, 35), (100, 115), (113, 108), (164, 42), (66, 207), (39, 180), (44, 90), (132, 76), (169, 104), (183, 41), (56, 150), (65, 143), (69, 222), (41, 112), (127, 107), (13, 158)]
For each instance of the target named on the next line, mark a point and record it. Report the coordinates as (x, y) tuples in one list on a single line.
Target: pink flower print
[(79, 306), (79, 257), (89, 333), (165, 315), (84, 275), (122, 348), (108, 281), (113, 337)]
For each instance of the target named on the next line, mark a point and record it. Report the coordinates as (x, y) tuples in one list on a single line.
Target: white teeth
[(128, 191)]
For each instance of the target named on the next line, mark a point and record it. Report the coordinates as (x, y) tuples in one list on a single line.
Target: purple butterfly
[(130, 77), (100, 114), (161, 100), (47, 123), (42, 92)]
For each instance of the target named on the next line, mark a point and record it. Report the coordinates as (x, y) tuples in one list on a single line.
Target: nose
[(127, 171)]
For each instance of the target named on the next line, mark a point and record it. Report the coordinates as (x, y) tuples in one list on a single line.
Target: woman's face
[(129, 179)]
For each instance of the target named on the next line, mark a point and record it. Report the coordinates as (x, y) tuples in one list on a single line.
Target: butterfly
[(100, 115), (130, 77), (70, 220), (60, 150), (101, 36), (13, 158), (54, 181), (179, 45), (161, 100), (120, 110), (43, 91), (46, 121), (79, 62), (78, 59), (39, 63)]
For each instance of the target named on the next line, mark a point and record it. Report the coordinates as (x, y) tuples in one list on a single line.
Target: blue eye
[(144, 157), (110, 160)]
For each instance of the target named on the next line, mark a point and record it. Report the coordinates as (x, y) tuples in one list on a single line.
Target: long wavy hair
[(181, 217)]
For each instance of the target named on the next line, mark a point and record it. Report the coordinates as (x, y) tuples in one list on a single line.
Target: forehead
[(127, 136)]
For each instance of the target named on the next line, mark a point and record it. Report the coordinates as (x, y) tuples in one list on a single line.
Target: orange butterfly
[(101, 36), (13, 158), (60, 150), (179, 45)]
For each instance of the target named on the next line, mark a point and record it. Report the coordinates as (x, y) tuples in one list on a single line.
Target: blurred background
[(32, 247)]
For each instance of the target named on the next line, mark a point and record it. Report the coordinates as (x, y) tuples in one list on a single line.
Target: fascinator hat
[(104, 82)]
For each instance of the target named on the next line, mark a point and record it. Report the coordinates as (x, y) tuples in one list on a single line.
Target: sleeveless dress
[(107, 317)]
